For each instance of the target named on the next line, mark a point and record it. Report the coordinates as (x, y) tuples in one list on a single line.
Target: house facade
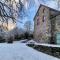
[(47, 25)]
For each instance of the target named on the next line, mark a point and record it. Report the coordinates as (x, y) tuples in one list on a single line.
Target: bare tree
[(28, 26), (10, 10)]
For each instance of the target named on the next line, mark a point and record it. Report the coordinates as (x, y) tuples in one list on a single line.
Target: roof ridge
[(45, 6)]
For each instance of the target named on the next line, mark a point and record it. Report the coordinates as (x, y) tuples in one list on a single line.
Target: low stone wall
[(54, 51)]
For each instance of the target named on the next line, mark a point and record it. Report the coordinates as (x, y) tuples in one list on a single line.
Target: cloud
[(52, 4), (25, 3), (37, 3)]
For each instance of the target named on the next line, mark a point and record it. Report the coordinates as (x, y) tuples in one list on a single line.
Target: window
[(38, 21), (43, 10), (43, 19)]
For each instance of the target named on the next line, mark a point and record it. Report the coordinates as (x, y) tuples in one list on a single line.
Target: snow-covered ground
[(19, 51)]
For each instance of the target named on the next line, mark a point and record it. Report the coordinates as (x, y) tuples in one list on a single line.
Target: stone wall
[(41, 31)]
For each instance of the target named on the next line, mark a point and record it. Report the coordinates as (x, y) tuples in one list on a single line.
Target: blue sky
[(31, 12), (33, 9)]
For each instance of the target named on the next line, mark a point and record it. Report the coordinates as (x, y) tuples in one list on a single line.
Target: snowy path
[(19, 51)]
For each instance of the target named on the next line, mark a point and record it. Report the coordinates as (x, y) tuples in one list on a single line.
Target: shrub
[(2, 40), (10, 40)]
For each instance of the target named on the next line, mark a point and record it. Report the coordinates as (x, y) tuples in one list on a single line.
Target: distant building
[(47, 25)]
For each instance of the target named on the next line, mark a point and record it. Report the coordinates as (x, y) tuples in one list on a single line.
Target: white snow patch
[(31, 42), (49, 45)]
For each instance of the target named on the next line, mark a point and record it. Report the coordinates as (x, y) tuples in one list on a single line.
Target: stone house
[(47, 25)]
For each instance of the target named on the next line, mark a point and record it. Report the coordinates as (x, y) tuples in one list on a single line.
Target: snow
[(25, 40), (31, 42), (43, 44), (49, 45), (19, 51)]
